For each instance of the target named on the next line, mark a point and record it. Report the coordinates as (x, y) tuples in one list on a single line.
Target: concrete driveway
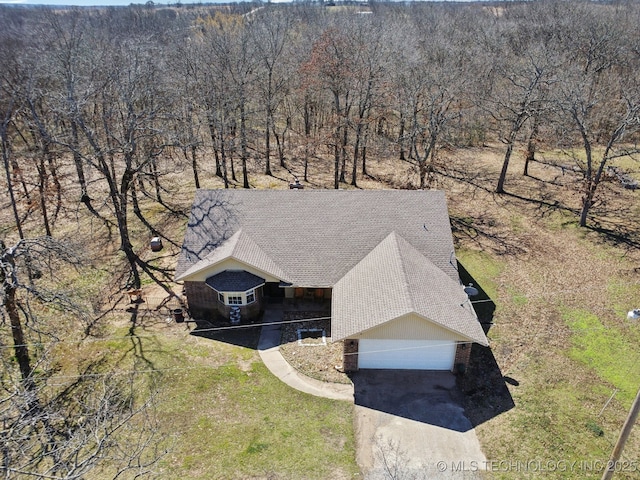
[(411, 425)]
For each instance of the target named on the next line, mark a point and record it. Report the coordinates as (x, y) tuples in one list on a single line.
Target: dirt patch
[(308, 348)]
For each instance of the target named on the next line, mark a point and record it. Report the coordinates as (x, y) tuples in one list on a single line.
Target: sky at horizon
[(109, 3), (94, 3)]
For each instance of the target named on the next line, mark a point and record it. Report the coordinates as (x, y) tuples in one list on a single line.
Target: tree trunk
[(232, 165), (267, 143), (336, 162), (214, 137), (77, 159), (364, 152), (422, 166), (505, 166), (307, 136), (194, 164), (401, 138), (125, 241), (243, 142), (19, 343), (56, 183), (223, 161), (531, 147), (78, 163), (7, 169), (156, 179), (587, 202), (343, 154), (356, 152), (336, 140), (42, 192)]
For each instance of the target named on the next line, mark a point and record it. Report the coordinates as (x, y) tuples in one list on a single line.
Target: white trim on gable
[(414, 326), (227, 264)]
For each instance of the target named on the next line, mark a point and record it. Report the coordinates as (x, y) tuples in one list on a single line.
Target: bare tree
[(330, 68), (20, 264), (11, 78), (62, 431), (393, 461), (429, 85), (521, 70), (98, 421), (600, 97), (269, 30)]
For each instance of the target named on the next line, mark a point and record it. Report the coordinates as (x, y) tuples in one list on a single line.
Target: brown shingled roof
[(395, 279), (339, 239), (316, 236)]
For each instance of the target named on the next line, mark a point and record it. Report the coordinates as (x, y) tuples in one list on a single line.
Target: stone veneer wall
[(350, 355), (463, 353)]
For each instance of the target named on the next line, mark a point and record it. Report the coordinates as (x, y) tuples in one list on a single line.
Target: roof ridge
[(395, 236), (245, 237)]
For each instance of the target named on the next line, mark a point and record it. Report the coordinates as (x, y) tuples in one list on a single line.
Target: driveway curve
[(408, 424)]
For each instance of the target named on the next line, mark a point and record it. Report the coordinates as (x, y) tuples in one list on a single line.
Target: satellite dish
[(634, 314), (471, 291)]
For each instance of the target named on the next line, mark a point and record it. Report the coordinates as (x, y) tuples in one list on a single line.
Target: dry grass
[(553, 284), (542, 272)]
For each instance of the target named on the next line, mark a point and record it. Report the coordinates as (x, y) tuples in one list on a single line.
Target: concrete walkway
[(410, 420), (268, 348)]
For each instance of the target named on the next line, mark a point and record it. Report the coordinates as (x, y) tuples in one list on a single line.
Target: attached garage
[(388, 268), (406, 354)]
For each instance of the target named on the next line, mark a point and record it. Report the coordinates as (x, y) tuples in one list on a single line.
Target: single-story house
[(384, 259)]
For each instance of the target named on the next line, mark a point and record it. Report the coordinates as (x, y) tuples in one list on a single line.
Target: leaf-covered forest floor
[(553, 296)]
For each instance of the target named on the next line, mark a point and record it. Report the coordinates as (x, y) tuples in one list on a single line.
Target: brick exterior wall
[(204, 304), (350, 355), (202, 300), (461, 362)]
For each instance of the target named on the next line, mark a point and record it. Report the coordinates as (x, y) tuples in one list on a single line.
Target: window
[(237, 298), (251, 296), (234, 300)]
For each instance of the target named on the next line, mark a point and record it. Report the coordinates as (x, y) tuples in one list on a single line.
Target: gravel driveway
[(411, 425)]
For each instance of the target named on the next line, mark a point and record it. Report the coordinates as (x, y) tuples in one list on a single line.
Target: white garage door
[(406, 354)]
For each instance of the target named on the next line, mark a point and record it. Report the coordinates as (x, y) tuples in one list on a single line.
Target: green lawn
[(224, 415), (561, 331)]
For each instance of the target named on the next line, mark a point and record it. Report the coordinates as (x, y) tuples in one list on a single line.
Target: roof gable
[(393, 280), (242, 248), (411, 326)]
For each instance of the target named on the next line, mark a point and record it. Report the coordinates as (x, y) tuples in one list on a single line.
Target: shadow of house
[(483, 387), (424, 396), (246, 336)]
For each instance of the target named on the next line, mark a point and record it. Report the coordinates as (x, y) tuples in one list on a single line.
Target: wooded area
[(124, 94), (99, 109)]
